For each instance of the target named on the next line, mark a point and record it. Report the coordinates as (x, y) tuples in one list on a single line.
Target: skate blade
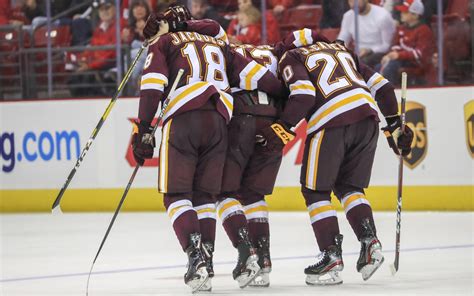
[(326, 279), (200, 281), (207, 287), (368, 270), (262, 280), (252, 271)]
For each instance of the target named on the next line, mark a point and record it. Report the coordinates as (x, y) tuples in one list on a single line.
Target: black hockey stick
[(394, 266), (162, 112), (56, 208)]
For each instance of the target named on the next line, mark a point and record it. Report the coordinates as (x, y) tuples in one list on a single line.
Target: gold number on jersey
[(215, 68), (269, 60), (147, 64), (326, 82), (263, 53)]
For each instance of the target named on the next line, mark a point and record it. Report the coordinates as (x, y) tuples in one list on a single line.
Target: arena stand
[(24, 63)]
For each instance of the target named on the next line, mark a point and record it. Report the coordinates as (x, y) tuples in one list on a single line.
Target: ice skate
[(370, 257), (197, 275), (247, 263), (208, 250), (326, 270), (263, 252)]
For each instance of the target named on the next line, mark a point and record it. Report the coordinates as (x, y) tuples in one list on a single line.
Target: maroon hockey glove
[(143, 141), (152, 25), (393, 133), (274, 137)]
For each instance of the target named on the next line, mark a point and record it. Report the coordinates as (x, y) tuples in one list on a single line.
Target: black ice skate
[(370, 257), (263, 252), (208, 251), (326, 270), (197, 275), (247, 264)]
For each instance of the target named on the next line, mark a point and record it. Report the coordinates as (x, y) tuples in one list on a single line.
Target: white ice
[(43, 254)]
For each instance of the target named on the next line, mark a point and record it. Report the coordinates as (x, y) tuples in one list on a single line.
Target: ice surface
[(42, 254)]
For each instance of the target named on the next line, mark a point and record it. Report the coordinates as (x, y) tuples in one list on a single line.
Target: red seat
[(304, 16), (60, 36)]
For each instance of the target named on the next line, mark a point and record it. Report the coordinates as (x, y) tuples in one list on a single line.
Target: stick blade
[(57, 210), (393, 269)]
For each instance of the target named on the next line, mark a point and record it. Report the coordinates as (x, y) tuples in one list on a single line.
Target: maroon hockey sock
[(325, 231), (258, 229), (208, 229), (232, 224), (184, 225), (356, 215)]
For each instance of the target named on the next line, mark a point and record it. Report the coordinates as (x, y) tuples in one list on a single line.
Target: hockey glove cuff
[(143, 141), (275, 136), (396, 140)]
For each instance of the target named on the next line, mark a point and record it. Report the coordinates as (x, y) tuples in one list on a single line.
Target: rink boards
[(41, 140)]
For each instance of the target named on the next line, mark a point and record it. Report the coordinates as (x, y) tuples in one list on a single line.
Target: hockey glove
[(143, 142), (396, 140), (152, 25), (274, 137)]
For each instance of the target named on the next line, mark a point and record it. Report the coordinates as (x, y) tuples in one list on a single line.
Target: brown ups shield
[(416, 120)]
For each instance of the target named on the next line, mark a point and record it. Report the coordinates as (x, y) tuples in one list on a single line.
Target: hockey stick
[(394, 266), (162, 112), (56, 208)]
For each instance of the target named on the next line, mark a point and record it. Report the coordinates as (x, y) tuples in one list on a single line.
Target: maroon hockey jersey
[(210, 67), (329, 88)]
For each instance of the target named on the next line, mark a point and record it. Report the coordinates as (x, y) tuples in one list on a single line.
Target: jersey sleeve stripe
[(302, 87), (155, 81), (250, 75)]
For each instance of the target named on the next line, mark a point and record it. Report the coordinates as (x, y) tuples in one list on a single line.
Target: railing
[(23, 69)]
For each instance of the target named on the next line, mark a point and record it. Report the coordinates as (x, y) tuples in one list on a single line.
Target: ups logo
[(416, 120), (469, 122)]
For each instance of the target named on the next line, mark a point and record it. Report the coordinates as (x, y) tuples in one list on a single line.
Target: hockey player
[(335, 94), (248, 174), (194, 141)]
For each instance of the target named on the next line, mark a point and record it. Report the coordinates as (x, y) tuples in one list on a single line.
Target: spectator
[(248, 28), (413, 46), (376, 29), (140, 10), (103, 35), (34, 12), (333, 10), (200, 9), (273, 31)]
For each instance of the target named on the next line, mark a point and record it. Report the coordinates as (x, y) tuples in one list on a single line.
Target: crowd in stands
[(394, 35)]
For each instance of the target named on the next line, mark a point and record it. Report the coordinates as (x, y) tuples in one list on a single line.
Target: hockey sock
[(183, 218), (257, 218), (205, 207), (232, 217), (357, 208), (207, 221), (323, 217)]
